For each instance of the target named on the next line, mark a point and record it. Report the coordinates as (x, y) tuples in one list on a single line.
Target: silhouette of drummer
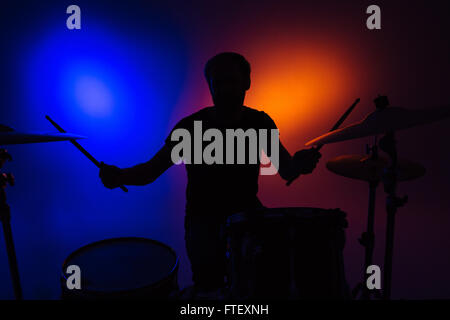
[(215, 191)]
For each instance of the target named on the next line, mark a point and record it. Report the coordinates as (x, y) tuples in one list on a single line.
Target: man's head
[(228, 77)]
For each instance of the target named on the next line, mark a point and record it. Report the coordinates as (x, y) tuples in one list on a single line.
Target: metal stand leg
[(13, 268), (5, 217), (389, 249), (393, 202), (368, 237)]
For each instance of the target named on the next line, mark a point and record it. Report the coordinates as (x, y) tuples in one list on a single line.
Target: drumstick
[(79, 147), (336, 126)]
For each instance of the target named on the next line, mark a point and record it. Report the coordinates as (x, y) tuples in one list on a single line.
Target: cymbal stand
[(389, 145), (367, 239), (5, 217)]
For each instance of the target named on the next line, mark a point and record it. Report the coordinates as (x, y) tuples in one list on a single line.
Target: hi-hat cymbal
[(362, 167), (383, 121), (14, 137)]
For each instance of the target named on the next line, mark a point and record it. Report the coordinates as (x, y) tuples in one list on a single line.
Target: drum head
[(122, 264)]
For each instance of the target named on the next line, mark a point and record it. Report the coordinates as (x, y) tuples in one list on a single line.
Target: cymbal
[(383, 121), (14, 137), (362, 167)]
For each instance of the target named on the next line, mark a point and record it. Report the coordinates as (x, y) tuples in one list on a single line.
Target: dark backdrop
[(135, 68)]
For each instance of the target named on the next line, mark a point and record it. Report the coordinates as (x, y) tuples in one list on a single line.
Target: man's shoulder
[(255, 112), (187, 123), (260, 115), (257, 117), (201, 114)]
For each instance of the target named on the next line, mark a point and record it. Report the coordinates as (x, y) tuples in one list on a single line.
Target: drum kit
[(286, 253)]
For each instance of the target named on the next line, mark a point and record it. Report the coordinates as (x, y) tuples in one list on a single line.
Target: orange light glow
[(299, 86)]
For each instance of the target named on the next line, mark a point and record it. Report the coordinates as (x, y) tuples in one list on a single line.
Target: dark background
[(135, 68)]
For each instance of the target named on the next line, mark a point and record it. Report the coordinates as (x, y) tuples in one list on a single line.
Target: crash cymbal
[(363, 167), (382, 121), (14, 137)]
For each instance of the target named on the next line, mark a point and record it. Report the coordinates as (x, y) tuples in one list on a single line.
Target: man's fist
[(110, 175), (305, 161)]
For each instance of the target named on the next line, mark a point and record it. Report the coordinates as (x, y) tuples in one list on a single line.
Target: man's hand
[(305, 161), (110, 175)]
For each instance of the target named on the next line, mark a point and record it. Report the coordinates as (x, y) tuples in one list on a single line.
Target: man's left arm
[(303, 162), (285, 167)]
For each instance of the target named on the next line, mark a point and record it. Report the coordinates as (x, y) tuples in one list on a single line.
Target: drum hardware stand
[(393, 202), (367, 239), (388, 145), (5, 217)]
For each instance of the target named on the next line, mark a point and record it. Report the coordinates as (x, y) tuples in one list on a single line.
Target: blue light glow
[(94, 96), (117, 91)]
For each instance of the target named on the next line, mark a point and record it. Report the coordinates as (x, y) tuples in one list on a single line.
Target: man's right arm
[(140, 174)]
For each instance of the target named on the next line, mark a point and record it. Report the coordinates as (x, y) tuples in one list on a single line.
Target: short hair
[(226, 58)]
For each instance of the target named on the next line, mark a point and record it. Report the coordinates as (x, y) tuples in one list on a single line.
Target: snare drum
[(123, 268), (287, 253)]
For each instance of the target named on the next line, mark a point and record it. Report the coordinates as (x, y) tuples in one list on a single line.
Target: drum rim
[(117, 292)]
